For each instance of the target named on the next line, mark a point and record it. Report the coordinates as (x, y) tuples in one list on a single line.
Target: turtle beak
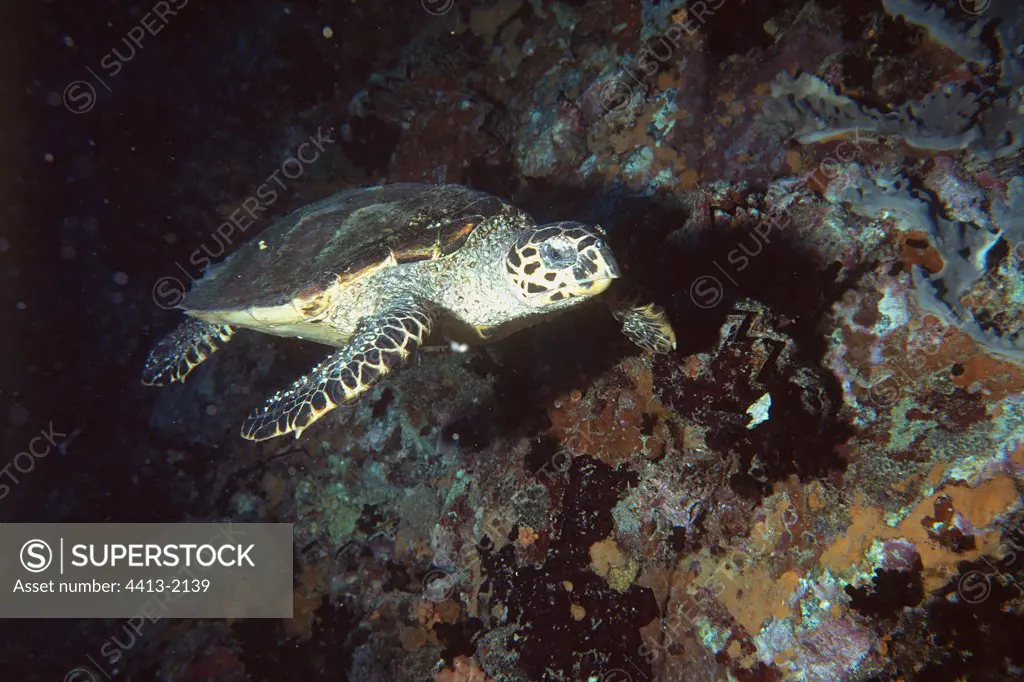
[(608, 258), (597, 268)]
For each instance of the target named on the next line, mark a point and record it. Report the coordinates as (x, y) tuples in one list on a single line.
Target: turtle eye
[(558, 253)]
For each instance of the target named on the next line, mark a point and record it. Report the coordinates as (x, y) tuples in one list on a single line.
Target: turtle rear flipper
[(182, 350), (379, 343), (643, 323)]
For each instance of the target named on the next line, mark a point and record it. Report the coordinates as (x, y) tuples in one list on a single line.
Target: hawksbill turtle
[(377, 272)]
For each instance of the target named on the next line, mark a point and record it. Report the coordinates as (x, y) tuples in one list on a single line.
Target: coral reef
[(824, 481), (981, 114)]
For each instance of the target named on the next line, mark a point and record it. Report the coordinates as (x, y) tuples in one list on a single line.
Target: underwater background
[(822, 482)]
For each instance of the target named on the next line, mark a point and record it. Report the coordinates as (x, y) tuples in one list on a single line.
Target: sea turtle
[(376, 272)]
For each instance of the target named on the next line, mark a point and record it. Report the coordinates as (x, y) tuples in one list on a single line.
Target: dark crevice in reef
[(372, 145), (498, 178), (554, 641), (978, 628), (858, 73), (728, 37), (459, 638), (327, 651), (889, 593), (775, 347), (541, 455), (970, 622)]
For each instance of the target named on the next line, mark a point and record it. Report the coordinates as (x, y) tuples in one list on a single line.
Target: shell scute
[(342, 238)]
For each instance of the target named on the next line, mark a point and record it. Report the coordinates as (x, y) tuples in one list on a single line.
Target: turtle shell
[(342, 237)]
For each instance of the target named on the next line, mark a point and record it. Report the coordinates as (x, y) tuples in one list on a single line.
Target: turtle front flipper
[(379, 343), (643, 323), (182, 350)]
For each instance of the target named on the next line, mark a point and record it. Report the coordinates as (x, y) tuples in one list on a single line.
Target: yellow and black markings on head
[(559, 261)]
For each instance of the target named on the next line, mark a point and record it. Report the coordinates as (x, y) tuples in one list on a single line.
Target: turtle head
[(559, 262)]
